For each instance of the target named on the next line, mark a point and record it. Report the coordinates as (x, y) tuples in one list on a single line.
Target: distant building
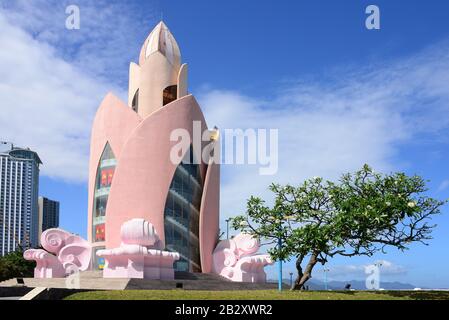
[(48, 214), (19, 213)]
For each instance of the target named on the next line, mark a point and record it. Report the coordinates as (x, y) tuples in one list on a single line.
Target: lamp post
[(279, 226), (291, 279), (325, 270), (227, 227), (280, 266)]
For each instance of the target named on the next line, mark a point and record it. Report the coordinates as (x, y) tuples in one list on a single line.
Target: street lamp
[(291, 279), (325, 270), (280, 259), (280, 266)]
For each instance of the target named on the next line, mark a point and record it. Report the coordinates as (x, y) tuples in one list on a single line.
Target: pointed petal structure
[(143, 179), (161, 40)]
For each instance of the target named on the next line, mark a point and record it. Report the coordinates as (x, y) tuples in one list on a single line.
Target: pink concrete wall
[(209, 219), (113, 123)]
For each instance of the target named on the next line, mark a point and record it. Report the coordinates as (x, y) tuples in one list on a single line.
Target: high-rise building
[(48, 214), (19, 184)]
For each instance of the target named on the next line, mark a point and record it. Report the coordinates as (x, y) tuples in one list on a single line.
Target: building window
[(103, 182), (135, 102), (170, 94), (181, 216)]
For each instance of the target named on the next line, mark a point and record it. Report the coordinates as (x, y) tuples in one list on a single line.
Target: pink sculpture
[(66, 253), (235, 259), (140, 255)]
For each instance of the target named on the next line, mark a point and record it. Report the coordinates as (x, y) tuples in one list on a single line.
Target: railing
[(183, 228)]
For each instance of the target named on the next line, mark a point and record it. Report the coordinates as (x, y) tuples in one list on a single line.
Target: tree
[(364, 213), (14, 265)]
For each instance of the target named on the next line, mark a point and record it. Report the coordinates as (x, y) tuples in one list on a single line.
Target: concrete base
[(93, 280)]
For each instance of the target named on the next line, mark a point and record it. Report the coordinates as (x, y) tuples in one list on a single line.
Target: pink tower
[(132, 174)]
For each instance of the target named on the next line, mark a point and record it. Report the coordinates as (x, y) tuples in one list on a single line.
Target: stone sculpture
[(65, 254), (236, 259)]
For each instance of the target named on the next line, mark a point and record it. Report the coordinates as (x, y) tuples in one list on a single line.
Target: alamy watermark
[(372, 22), (240, 147), (372, 281), (72, 281), (73, 21)]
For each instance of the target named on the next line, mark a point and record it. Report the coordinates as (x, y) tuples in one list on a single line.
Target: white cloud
[(47, 104), (53, 79), (110, 33), (327, 128)]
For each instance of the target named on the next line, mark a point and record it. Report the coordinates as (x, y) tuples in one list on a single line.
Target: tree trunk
[(304, 276)]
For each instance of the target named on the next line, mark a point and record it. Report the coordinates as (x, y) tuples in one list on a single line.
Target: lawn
[(258, 295)]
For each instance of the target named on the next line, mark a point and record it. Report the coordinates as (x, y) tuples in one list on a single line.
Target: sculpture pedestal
[(143, 264), (139, 256)]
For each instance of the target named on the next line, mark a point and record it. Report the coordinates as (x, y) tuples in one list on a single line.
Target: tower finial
[(162, 40)]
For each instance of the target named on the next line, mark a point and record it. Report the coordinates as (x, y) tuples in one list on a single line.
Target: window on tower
[(182, 214), (135, 102), (170, 94), (105, 174)]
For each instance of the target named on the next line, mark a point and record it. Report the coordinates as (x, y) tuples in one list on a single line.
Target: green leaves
[(361, 214), (13, 265)]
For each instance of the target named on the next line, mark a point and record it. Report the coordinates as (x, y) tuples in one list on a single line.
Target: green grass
[(258, 295)]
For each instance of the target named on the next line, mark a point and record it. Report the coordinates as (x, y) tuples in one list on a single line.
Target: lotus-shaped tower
[(131, 172)]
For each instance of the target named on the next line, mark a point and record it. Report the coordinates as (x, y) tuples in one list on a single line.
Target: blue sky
[(339, 94)]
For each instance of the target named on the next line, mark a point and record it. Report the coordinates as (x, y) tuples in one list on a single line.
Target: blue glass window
[(182, 212)]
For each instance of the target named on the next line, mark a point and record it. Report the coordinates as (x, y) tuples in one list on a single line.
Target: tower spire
[(162, 40), (155, 81)]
